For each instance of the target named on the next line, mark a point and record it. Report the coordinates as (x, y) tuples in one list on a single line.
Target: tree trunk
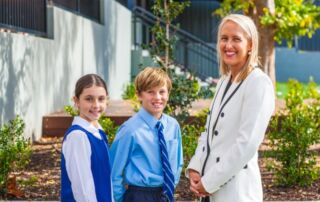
[(266, 41), (167, 18)]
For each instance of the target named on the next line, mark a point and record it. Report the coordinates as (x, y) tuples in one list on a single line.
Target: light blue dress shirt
[(135, 152)]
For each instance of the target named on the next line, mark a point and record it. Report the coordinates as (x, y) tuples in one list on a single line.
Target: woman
[(225, 165)]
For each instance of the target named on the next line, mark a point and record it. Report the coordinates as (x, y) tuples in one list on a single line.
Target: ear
[(250, 46), (139, 97), (76, 101)]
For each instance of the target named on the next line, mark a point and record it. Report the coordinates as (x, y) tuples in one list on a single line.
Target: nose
[(228, 44), (95, 103), (157, 95)]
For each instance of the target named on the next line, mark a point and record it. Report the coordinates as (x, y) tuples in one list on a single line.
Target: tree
[(165, 11), (276, 20)]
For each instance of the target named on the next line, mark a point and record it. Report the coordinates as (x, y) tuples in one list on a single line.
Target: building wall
[(37, 75), (300, 65)]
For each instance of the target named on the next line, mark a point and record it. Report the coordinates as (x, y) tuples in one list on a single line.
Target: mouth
[(96, 113), (157, 105), (230, 53)]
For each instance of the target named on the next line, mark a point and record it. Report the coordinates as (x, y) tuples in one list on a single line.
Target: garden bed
[(41, 179)]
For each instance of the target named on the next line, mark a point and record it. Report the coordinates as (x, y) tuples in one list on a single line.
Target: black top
[(227, 88)]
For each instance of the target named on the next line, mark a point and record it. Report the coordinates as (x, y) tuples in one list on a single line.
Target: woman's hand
[(196, 184)]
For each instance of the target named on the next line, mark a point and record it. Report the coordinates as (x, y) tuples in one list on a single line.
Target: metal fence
[(192, 53), (87, 8), (24, 15)]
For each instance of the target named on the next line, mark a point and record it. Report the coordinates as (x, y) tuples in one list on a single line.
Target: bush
[(130, 94), (185, 88), (15, 151), (292, 132), (106, 123), (191, 133)]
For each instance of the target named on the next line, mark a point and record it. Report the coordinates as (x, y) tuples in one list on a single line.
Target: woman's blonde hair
[(152, 77), (247, 24)]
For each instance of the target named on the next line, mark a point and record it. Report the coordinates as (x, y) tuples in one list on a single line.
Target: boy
[(146, 155)]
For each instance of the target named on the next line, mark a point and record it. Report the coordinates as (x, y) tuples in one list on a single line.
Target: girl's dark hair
[(87, 81)]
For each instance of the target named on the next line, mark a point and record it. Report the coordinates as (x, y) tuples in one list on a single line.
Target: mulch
[(40, 180)]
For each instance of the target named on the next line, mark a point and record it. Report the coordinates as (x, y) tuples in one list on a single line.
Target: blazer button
[(218, 159), (203, 149), (216, 132), (222, 114)]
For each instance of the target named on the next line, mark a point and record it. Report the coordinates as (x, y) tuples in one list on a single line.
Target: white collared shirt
[(76, 149)]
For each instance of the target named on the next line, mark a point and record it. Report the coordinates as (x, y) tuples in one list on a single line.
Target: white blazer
[(234, 130)]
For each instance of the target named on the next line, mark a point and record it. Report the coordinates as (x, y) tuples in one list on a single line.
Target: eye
[(162, 91), (224, 38), (237, 39), (89, 99), (101, 99)]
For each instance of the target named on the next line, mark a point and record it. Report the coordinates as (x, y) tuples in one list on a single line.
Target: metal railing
[(24, 16), (194, 54), (86, 8)]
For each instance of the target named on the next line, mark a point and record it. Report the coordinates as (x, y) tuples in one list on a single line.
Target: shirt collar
[(150, 120), (85, 124)]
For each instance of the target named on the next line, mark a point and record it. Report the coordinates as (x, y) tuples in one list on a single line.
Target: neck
[(234, 73), (95, 124)]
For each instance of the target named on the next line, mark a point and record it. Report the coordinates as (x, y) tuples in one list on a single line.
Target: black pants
[(144, 194), (205, 199)]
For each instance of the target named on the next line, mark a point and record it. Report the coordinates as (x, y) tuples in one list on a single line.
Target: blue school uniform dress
[(85, 165), (135, 153)]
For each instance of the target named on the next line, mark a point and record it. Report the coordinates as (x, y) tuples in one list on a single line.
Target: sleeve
[(195, 162), (77, 152), (119, 155), (257, 108), (180, 155)]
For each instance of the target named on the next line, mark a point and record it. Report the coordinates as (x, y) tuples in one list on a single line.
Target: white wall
[(37, 75)]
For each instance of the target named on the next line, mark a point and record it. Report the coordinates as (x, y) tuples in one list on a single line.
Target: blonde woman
[(225, 167)]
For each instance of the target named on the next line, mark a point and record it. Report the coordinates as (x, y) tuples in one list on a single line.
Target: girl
[(85, 167)]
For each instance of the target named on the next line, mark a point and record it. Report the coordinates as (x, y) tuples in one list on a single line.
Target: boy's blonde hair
[(247, 24), (152, 77)]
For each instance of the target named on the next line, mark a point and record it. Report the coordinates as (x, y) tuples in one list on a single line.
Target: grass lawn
[(282, 89)]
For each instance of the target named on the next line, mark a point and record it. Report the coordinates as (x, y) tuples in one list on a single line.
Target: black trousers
[(205, 199), (144, 194)]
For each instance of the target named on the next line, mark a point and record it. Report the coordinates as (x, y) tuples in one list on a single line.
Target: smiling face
[(154, 100), (234, 46), (91, 103)]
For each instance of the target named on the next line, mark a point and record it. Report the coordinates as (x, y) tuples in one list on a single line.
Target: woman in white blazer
[(225, 167)]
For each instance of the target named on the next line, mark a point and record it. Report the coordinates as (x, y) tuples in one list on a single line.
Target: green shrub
[(184, 92), (130, 94), (15, 151), (206, 92), (292, 132), (191, 133), (106, 123)]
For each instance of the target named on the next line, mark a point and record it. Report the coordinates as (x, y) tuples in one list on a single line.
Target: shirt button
[(222, 114), (216, 132)]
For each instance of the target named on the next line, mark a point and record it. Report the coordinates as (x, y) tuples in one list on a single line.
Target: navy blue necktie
[(168, 184)]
